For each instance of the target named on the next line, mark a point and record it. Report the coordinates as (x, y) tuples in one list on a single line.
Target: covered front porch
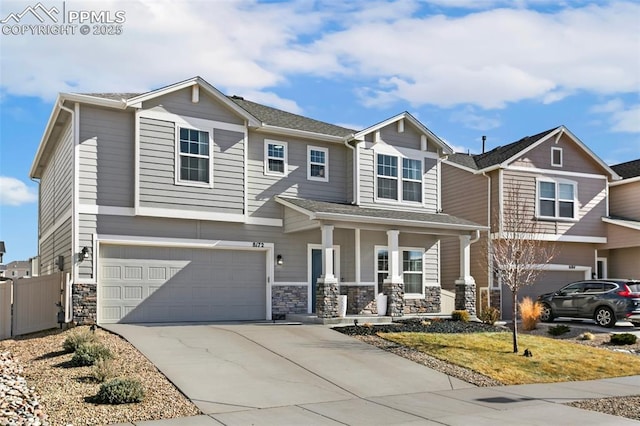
[(393, 252)]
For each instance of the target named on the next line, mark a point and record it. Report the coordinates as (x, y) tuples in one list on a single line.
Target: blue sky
[(465, 68)]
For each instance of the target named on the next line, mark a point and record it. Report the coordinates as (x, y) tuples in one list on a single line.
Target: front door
[(316, 272)]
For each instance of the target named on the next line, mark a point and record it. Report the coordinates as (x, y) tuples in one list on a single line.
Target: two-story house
[(565, 185), (619, 258), (183, 204)]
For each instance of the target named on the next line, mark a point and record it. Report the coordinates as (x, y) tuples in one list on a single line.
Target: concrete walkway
[(275, 374)]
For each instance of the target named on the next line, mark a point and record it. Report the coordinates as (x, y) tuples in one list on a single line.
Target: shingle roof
[(113, 96), (393, 216), (627, 170), (499, 154), (279, 118)]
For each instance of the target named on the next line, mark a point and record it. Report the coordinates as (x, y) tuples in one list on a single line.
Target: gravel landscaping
[(55, 393)]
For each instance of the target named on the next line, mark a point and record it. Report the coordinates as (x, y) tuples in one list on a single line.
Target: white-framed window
[(390, 186), (317, 163), (556, 156), (193, 160), (275, 158), (557, 199), (412, 267)]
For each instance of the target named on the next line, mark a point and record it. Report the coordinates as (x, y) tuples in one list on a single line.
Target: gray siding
[(623, 263), (625, 200), (106, 157), (430, 185), (57, 244), (262, 187), (464, 194), (157, 171), (87, 226), (367, 175), (207, 108), (591, 204), (56, 184)]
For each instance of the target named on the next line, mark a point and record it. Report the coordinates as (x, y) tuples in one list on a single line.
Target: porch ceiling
[(351, 216)]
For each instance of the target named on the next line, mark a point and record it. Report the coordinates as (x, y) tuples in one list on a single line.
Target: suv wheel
[(604, 317), (545, 314)]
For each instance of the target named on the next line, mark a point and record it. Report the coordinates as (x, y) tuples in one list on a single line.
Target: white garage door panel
[(155, 284), (547, 282)]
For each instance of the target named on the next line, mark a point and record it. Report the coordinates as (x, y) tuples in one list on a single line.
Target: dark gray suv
[(605, 301)]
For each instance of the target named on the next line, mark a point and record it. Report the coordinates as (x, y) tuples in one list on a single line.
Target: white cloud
[(469, 118), (622, 118), (14, 192), (487, 58)]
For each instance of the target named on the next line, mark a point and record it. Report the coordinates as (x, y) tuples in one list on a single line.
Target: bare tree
[(518, 256)]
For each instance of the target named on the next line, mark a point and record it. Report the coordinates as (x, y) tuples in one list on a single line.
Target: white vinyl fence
[(34, 302), (5, 309)]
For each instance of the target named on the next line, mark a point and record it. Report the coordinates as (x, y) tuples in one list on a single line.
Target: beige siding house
[(619, 258), (184, 204), (564, 183)]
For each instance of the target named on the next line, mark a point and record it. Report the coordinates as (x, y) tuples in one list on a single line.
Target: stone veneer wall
[(360, 299), (289, 299), (84, 299), (429, 305)]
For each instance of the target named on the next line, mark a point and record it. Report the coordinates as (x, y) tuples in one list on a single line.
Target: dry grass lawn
[(492, 355)]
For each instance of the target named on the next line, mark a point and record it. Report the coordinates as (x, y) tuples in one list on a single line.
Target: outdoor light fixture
[(279, 260), (84, 254)]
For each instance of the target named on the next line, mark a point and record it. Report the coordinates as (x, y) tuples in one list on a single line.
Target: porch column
[(465, 285), (393, 285), (327, 288)]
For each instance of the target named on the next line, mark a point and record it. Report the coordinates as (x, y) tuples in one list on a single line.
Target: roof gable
[(628, 170)]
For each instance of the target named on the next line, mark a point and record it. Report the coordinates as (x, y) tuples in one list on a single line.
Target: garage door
[(160, 284), (547, 282)]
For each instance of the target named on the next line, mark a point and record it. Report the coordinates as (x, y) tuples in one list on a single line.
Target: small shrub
[(120, 391), (77, 338), (88, 354), (490, 315), (367, 325), (529, 313), (587, 336), (558, 330), (425, 323), (623, 339), (103, 370), (460, 316)]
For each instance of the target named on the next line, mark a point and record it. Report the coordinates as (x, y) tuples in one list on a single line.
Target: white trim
[(555, 172), (623, 223), (460, 166), (187, 121), (625, 181), (357, 173), (136, 160), (558, 238), (438, 185), (195, 94), (399, 180), (245, 175), (178, 154), (553, 150), (357, 252), (604, 267), (556, 267), (355, 284), (57, 224), (291, 283), (106, 210), (501, 200), (324, 178), (285, 159), (401, 250), (190, 214), (75, 220)]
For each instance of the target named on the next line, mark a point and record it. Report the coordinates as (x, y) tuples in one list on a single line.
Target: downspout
[(68, 282), (355, 199)]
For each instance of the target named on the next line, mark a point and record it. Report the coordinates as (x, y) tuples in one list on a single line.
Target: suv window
[(572, 289), (634, 286), (609, 286), (593, 287)]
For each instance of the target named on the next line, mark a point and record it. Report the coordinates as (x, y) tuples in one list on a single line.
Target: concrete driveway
[(308, 374)]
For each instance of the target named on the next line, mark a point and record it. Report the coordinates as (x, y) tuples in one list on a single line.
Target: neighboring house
[(183, 204), (565, 184), (620, 257), (17, 269)]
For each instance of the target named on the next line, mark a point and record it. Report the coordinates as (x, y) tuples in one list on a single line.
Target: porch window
[(317, 167), (412, 269), (275, 158), (556, 199), (556, 157), (194, 149)]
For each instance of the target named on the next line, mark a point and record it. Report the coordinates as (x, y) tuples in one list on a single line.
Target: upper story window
[(275, 158), (194, 156), (318, 161), (556, 157), (556, 199), (391, 187)]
